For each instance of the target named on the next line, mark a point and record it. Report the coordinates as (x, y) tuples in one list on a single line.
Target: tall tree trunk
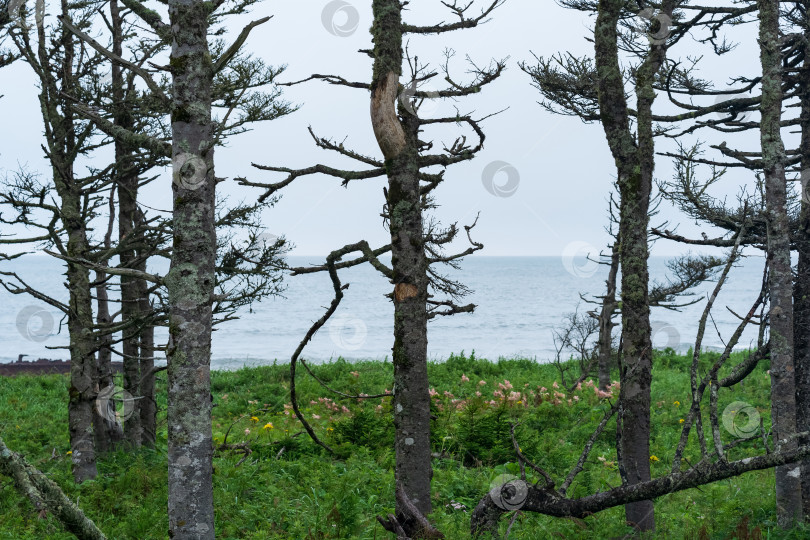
[(127, 182), (780, 279), (399, 144), (606, 323), (82, 393), (106, 427), (801, 291), (62, 141), (635, 160), (636, 366), (190, 281)]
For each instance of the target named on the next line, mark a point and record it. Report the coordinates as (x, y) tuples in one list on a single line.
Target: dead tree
[(777, 227), (192, 280), (416, 245), (46, 496), (59, 63), (707, 463), (783, 388), (593, 90)]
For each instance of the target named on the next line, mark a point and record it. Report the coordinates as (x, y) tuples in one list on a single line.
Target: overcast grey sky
[(565, 169)]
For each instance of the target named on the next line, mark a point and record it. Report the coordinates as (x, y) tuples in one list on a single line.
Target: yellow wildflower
[(254, 419), (268, 425), (680, 421), (654, 458), (70, 452), (676, 403)]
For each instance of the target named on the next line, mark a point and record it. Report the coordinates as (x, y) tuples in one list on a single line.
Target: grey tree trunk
[(190, 281), (126, 178), (801, 291), (61, 145), (780, 279), (106, 427), (83, 386), (398, 142), (635, 160)]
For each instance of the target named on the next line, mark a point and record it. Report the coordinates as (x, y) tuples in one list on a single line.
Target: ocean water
[(520, 301)]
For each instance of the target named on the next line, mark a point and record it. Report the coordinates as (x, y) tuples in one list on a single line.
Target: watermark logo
[(664, 335), (508, 492), (340, 18), (422, 106), (496, 170), (656, 26), (348, 332), (114, 404), (741, 419), (263, 241), (729, 113), (35, 323), (189, 171), (577, 261)]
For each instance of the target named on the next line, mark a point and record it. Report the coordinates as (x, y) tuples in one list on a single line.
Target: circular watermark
[(340, 18), (729, 113), (741, 419), (508, 492), (656, 26), (79, 445), (577, 261), (664, 336), (113, 403), (348, 332), (189, 171), (422, 106), (263, 241), (35, 323), (496, 171)]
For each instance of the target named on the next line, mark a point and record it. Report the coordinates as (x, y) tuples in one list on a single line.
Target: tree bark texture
[(397, 138), (635, 161), (190, 281), (780, 278), (801, 290)]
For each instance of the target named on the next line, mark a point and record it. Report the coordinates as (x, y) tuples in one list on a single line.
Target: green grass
[(290, 488)]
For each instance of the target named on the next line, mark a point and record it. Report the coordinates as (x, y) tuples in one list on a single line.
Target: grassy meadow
[(288, 487)]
